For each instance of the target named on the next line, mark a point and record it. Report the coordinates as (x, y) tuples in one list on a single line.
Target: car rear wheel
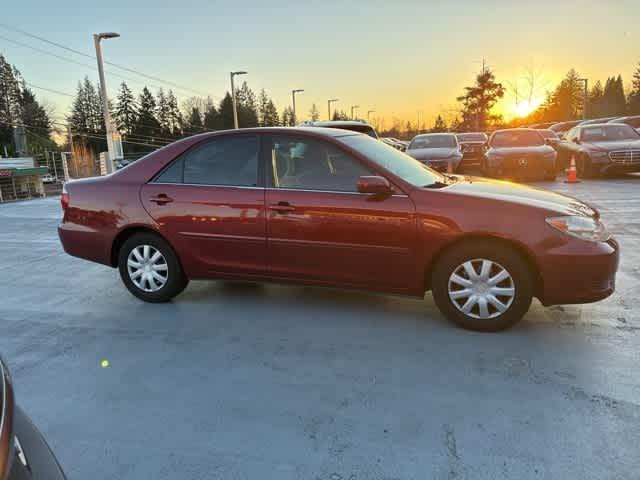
[(482, 285), (150, 269)]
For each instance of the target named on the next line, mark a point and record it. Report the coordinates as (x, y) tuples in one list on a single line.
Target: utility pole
[(293, 97), (369, 112), (233, 99), (586, 97), (329, 102), (97, 37), (354, 107)]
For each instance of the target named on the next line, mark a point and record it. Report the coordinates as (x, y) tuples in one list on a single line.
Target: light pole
[(354, 107), (293, 97), (369, 112), (105, 101), (586, 97), (329, 102), (233, 98)]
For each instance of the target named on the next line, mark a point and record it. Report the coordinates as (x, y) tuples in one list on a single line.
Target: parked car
[(519, 153), (562, 127), (24, 454), (550, 136), (603, 148), (436, 150), (334, 208), (472, 146), (633, 121), (395, 143), (352, 125)]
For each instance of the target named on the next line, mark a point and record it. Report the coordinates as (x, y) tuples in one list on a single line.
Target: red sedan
[(337, 208)]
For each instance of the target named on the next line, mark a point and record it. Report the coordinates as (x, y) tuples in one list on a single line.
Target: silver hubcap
[(481, 288), (147, 267)]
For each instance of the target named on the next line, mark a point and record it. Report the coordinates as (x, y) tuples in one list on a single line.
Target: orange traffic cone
[(572, 176)]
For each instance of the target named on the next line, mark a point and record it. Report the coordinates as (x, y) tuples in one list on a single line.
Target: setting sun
[(525, 107)]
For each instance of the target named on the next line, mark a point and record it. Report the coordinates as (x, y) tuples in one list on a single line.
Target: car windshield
[(396, 162), (433, 141), (471, 137), (517, 138), (608, 133)]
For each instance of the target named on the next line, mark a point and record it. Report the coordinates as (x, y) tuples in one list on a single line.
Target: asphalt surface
[(242, 381)]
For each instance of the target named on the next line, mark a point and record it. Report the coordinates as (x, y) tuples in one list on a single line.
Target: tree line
[(18, 106)]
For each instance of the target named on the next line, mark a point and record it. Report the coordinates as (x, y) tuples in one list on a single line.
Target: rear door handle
[(282, 207), (161, 199)]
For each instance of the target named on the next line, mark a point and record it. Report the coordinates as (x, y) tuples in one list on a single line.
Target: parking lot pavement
[(241, 381)]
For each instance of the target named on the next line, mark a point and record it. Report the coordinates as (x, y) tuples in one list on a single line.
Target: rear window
[(471, 137), (517, 138), (433, 141), (608, 133)]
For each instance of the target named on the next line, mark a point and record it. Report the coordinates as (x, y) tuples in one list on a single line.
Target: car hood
[(612, 146), (431, 153), (521, 194), (507, 151)]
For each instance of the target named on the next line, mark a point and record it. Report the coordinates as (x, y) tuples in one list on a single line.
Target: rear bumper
[(579, 272), (84, 243)]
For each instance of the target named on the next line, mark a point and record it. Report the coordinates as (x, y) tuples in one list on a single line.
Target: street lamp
[(293, 96), (369, 112), (329, 102), (105, 101), (586, 96), (353, 107), (233, 98)]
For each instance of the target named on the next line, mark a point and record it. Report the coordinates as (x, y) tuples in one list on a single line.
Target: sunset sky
[(397, 58)]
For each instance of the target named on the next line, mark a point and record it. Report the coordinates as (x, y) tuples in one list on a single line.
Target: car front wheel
[(150, 269), (482, 285)]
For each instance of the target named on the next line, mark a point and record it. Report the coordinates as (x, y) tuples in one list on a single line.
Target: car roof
[(605, 124), (433, 134), (306, 130), (521, 129), (335, 123)]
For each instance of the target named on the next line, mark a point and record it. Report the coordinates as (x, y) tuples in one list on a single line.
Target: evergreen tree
[(439, 125), (479, 100), (287, 117), (211, 117), (340, 115), (314, 113), (195, 120), (126, 112), (613, 99), (270, 115), (86, 119), (163, 113), (147, 128), (634, 95), (226, 112), (263, 102), (34, 115), (595, 99), (247, 107), (10, 102)]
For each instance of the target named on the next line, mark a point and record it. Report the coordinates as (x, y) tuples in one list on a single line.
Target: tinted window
[(396, 162), (608, 133), (433, 141), (172, 174), (472, 137), (517, 138), (224, 161), (308, 164)]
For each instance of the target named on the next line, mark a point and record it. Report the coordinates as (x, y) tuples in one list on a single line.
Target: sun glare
[(525, 107)]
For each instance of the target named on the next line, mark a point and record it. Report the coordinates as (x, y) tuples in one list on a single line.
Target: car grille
[(625, 157)]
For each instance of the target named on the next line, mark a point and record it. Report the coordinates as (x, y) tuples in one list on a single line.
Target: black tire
[(506, 257), (176, 280)]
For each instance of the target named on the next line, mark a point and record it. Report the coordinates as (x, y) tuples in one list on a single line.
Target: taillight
[(64, 199)]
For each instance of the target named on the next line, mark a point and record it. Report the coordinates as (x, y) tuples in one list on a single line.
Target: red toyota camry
[(337, 208)]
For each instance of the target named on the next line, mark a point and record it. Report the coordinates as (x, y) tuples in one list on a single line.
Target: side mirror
[(374, 185), (463, 147)]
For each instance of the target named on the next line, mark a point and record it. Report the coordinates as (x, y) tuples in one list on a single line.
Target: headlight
[(584, 228)]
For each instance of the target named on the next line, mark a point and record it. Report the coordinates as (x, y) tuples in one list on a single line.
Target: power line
[(49, 90), (121, 67)]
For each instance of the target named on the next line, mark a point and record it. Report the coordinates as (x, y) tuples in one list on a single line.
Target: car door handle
[(161, 199), (282, 207)]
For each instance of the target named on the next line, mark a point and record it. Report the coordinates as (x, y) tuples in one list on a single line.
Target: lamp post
[(586, 97), (233, 98), (369, 112), (293, 97), (329, 102), (354, 107), (97, 37)]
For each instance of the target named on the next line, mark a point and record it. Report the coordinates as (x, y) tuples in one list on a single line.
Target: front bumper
[(442, 165), (524, 167), (579, 272)]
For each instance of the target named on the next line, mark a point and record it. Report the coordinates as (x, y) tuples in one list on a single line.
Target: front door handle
[(282, 207), (161, 199)]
